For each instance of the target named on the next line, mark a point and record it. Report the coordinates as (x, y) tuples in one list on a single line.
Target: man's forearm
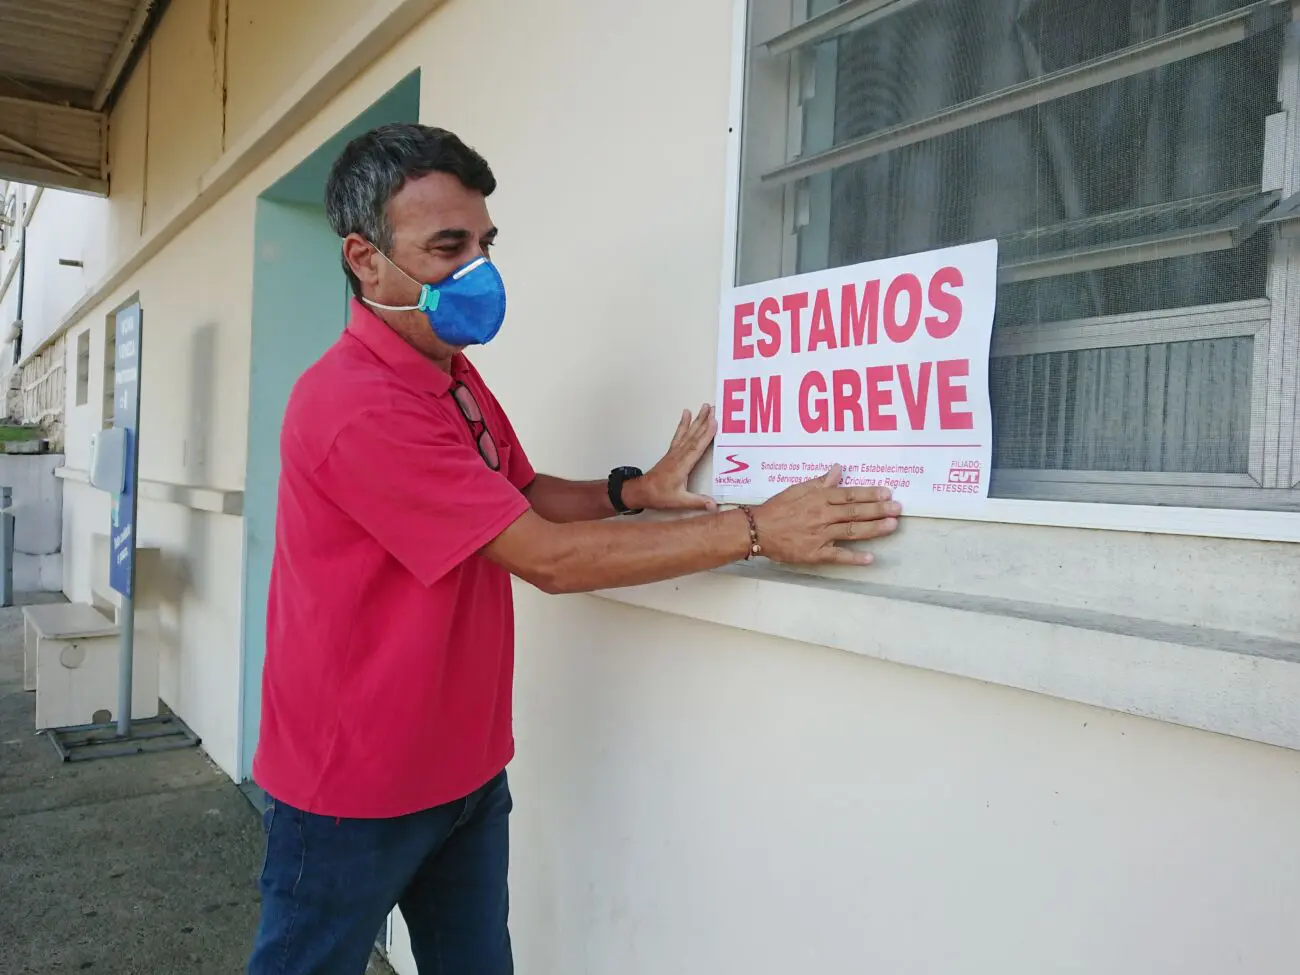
[(564, 502), (575, 558)]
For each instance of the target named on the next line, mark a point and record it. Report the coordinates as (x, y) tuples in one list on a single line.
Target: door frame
[(303, 187)]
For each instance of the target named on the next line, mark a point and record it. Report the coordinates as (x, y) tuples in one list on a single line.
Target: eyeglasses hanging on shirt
[(469, 409)]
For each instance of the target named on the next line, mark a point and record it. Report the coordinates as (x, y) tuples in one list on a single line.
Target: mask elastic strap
[(375, 304), (424, 290)]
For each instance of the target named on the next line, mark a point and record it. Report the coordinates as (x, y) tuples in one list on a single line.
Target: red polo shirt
[(390, 640)]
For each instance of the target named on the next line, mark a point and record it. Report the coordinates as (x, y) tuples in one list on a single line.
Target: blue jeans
[(328, 885)]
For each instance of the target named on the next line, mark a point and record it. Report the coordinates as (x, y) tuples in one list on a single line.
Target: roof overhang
[(62, 62)]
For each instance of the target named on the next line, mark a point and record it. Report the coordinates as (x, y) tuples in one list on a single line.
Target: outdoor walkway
[(123, 866)]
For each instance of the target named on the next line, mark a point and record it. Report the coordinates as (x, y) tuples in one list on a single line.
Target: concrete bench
[(71, 655), (56, 621), (149, 575)]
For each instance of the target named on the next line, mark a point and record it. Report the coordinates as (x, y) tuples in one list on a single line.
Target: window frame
[(81, 378), (1274, 322), (109, 370)]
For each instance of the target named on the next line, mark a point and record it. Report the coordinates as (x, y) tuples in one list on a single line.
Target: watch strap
[(617, 478)]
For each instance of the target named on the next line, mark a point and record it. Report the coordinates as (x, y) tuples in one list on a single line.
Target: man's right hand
[(801, 525)]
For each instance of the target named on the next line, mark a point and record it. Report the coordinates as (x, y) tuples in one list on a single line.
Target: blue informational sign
[(126, 415)]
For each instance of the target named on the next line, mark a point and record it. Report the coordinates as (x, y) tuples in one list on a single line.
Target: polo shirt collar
[(372, 332)]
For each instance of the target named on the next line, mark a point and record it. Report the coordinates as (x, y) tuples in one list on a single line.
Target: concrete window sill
[(216, 500), (1219, 681)]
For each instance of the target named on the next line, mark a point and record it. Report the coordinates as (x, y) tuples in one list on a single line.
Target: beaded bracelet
[(754, 547)]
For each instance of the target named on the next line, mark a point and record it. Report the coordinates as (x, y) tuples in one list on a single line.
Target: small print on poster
[(882, 368)]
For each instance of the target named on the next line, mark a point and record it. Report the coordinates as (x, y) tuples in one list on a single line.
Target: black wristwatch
[(617, 477)]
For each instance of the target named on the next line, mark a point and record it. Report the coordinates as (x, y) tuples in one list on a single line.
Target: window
[(110, 371), (83, 368), (1136, 161), (9, 229)]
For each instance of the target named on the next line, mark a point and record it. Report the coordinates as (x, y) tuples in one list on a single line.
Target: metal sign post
[(7, 540), (121, 568), (166, 730)]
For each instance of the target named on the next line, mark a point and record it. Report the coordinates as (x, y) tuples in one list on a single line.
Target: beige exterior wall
[(271, 45), (695, 793)]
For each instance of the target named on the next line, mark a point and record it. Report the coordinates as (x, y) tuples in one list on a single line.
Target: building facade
[(1063, 736)]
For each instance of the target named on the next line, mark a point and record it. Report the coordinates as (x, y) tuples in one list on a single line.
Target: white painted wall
[(66, 226), (58, 226), (8, 313), (694, 797), (38, 520), (8, 272), (37, 494)]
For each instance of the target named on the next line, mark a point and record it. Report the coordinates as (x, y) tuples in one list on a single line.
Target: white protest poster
[(882, 368)]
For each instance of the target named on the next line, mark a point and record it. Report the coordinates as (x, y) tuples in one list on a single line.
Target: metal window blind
[(1116, 149)]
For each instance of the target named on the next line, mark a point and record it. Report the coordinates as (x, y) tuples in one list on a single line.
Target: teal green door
[(300, 307), (300, 300)]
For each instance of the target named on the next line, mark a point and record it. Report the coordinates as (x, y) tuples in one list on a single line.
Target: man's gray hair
[(374, 166)]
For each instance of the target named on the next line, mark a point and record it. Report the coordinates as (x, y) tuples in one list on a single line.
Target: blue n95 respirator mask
[(465, 308)]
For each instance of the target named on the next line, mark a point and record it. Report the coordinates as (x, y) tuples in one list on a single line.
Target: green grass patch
[(18, 434)]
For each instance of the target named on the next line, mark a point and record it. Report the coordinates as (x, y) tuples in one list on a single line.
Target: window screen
[(83, 369), (110, 371), (1134, 159)]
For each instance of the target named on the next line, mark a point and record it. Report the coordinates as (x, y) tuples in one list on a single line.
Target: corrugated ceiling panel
[(71, 136), (61, 42), (67, 145), (57, 51)]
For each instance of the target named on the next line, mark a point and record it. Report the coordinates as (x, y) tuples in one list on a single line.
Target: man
[(406, 503)]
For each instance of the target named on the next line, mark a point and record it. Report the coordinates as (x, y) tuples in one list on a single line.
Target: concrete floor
[(122, 866)]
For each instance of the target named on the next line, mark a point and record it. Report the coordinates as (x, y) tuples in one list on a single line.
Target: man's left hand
[(663, 487)]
